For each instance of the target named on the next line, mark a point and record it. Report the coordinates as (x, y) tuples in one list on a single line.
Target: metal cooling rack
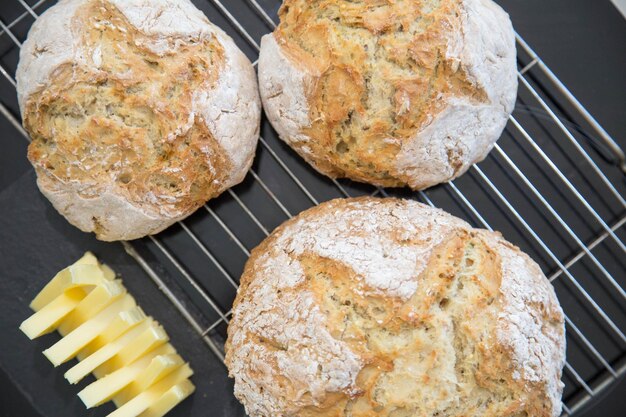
[(553, 184)]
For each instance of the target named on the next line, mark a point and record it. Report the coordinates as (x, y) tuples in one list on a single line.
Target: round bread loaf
[(391, 93), (139, 111), (386, 307)]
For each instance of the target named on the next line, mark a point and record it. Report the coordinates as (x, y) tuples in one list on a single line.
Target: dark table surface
[(584, 43)]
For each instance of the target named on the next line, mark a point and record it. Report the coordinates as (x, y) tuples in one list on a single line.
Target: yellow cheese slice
[(170, 399), (47, 318), (77, 275), (66, 348), (109, 274), (150, 338), (159, 367), (106, 387), (137, 325), (152, 395), (124, 321), (100, 297), (87, 259), (101, 324)]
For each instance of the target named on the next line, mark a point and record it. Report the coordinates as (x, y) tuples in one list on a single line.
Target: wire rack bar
[(562, 222), (567, 182), (528, 66), (29, 9), (209, 255), (230, 17), (469, 205), (7, 114), (269, 192), (572, 327), (23, 15), (573, 140), (574, 102), (6, 30), (591, 246), (599, 388), (189, 278), (566, 411), (568, 368), (215, 324), (7, 76), (266, 18), (249, 212), (172, 298), (288, 171), (541, 243), (340, 188), (228, 231)]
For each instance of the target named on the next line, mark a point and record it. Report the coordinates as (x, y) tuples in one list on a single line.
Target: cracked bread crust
[(140, 111), (386, 307), (392, 93)]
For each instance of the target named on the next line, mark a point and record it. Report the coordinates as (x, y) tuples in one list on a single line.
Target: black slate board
[(35, 243)]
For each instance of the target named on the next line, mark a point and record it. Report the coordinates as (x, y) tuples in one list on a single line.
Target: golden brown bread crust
[(134, 126), (450, 346), (380, 73), (350, 119), (95, 126)]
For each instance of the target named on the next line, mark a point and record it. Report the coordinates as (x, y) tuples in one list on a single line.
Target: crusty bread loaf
[(139, 110), (385, 307), (391, 93)]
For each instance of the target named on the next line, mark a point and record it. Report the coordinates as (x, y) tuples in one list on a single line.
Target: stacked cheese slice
[(113, 339)]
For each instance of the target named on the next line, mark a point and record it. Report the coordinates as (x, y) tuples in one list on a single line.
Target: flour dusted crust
[(201, 121), (404, 93), (387, 307)]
